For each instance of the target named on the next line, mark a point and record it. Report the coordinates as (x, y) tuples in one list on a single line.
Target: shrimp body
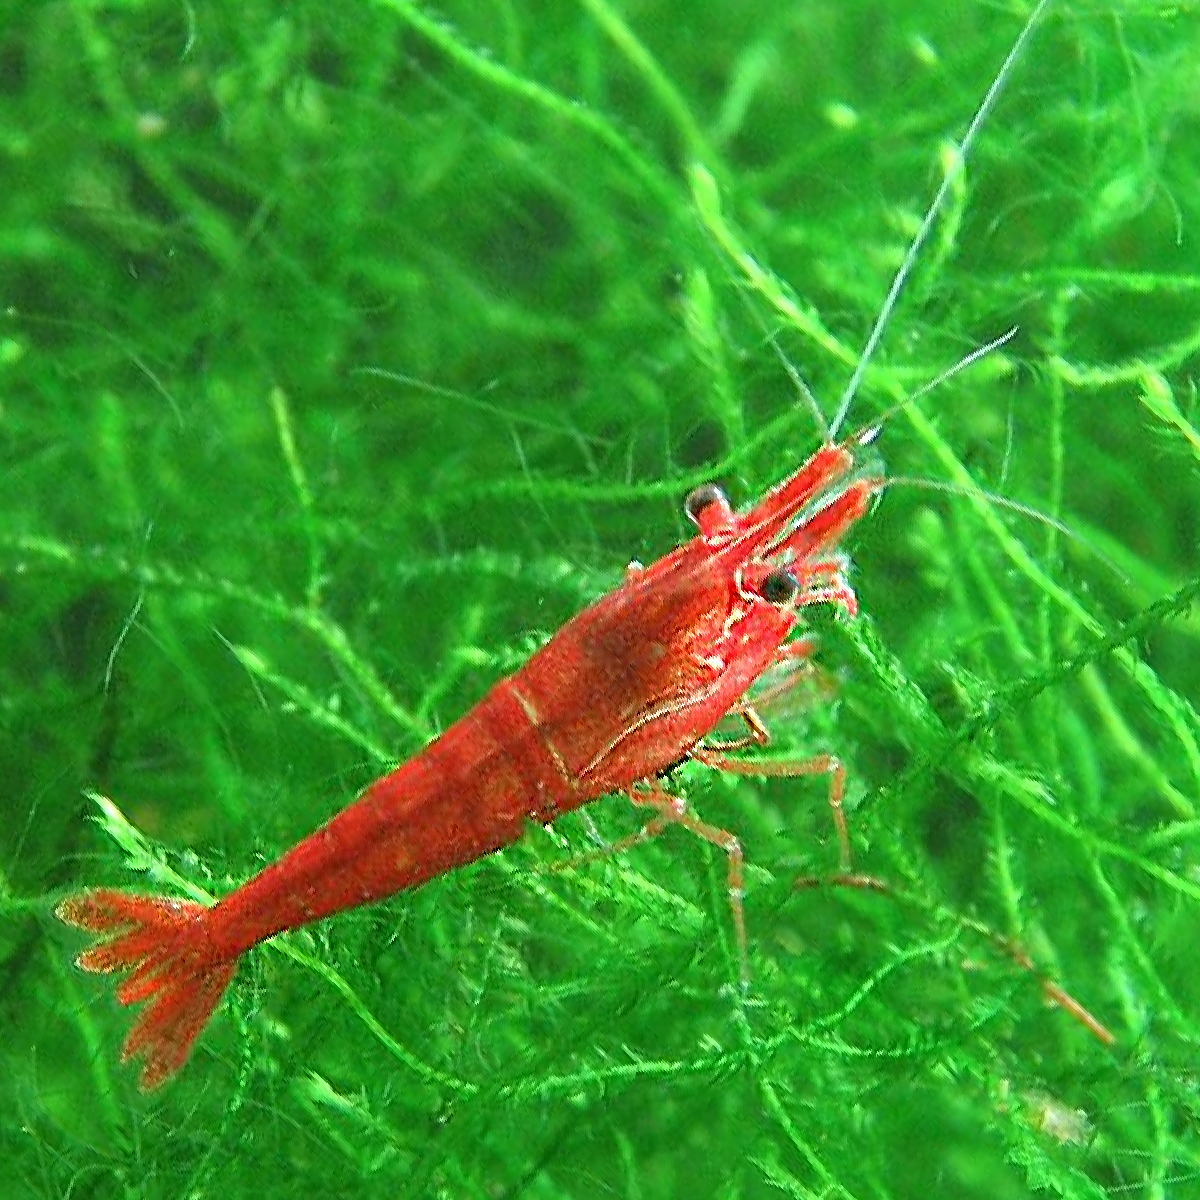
[(627, 688)]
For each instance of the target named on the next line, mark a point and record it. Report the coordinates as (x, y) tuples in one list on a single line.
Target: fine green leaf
[(347, 351)]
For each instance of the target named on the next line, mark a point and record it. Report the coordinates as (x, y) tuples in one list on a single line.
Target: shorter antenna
[(805, 391), (870, 432)]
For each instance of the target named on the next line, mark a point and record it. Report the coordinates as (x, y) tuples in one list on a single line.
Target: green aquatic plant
[(343, 357)]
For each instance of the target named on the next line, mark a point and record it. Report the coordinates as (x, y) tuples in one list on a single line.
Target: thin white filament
[(931, 215), (871, 432), (1024, 510)]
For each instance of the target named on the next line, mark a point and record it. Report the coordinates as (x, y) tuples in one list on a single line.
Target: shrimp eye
[(780, 586), (705, 496)]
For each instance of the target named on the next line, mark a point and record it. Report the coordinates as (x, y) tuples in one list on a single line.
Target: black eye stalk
[(708, 509), (780, 586), (705, 496)]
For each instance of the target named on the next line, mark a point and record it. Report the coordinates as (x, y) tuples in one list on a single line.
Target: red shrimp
[(663, 659)]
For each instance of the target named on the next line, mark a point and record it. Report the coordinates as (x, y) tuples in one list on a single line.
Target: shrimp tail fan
[(172, 967)]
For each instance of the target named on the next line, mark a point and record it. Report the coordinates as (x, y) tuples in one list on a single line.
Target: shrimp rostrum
[(658, 663)]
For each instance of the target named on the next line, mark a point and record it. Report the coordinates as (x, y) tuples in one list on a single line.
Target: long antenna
[(918, 242)]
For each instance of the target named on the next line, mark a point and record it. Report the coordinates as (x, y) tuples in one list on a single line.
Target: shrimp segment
[(662, 660)]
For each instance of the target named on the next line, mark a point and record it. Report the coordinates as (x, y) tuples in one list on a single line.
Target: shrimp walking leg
[(717, 757), (673, 810), (607, 849)]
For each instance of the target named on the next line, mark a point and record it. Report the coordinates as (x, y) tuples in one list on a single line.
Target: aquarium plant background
[(347, 351)]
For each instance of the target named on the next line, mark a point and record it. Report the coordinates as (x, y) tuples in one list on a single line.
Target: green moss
[(345, 354)]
